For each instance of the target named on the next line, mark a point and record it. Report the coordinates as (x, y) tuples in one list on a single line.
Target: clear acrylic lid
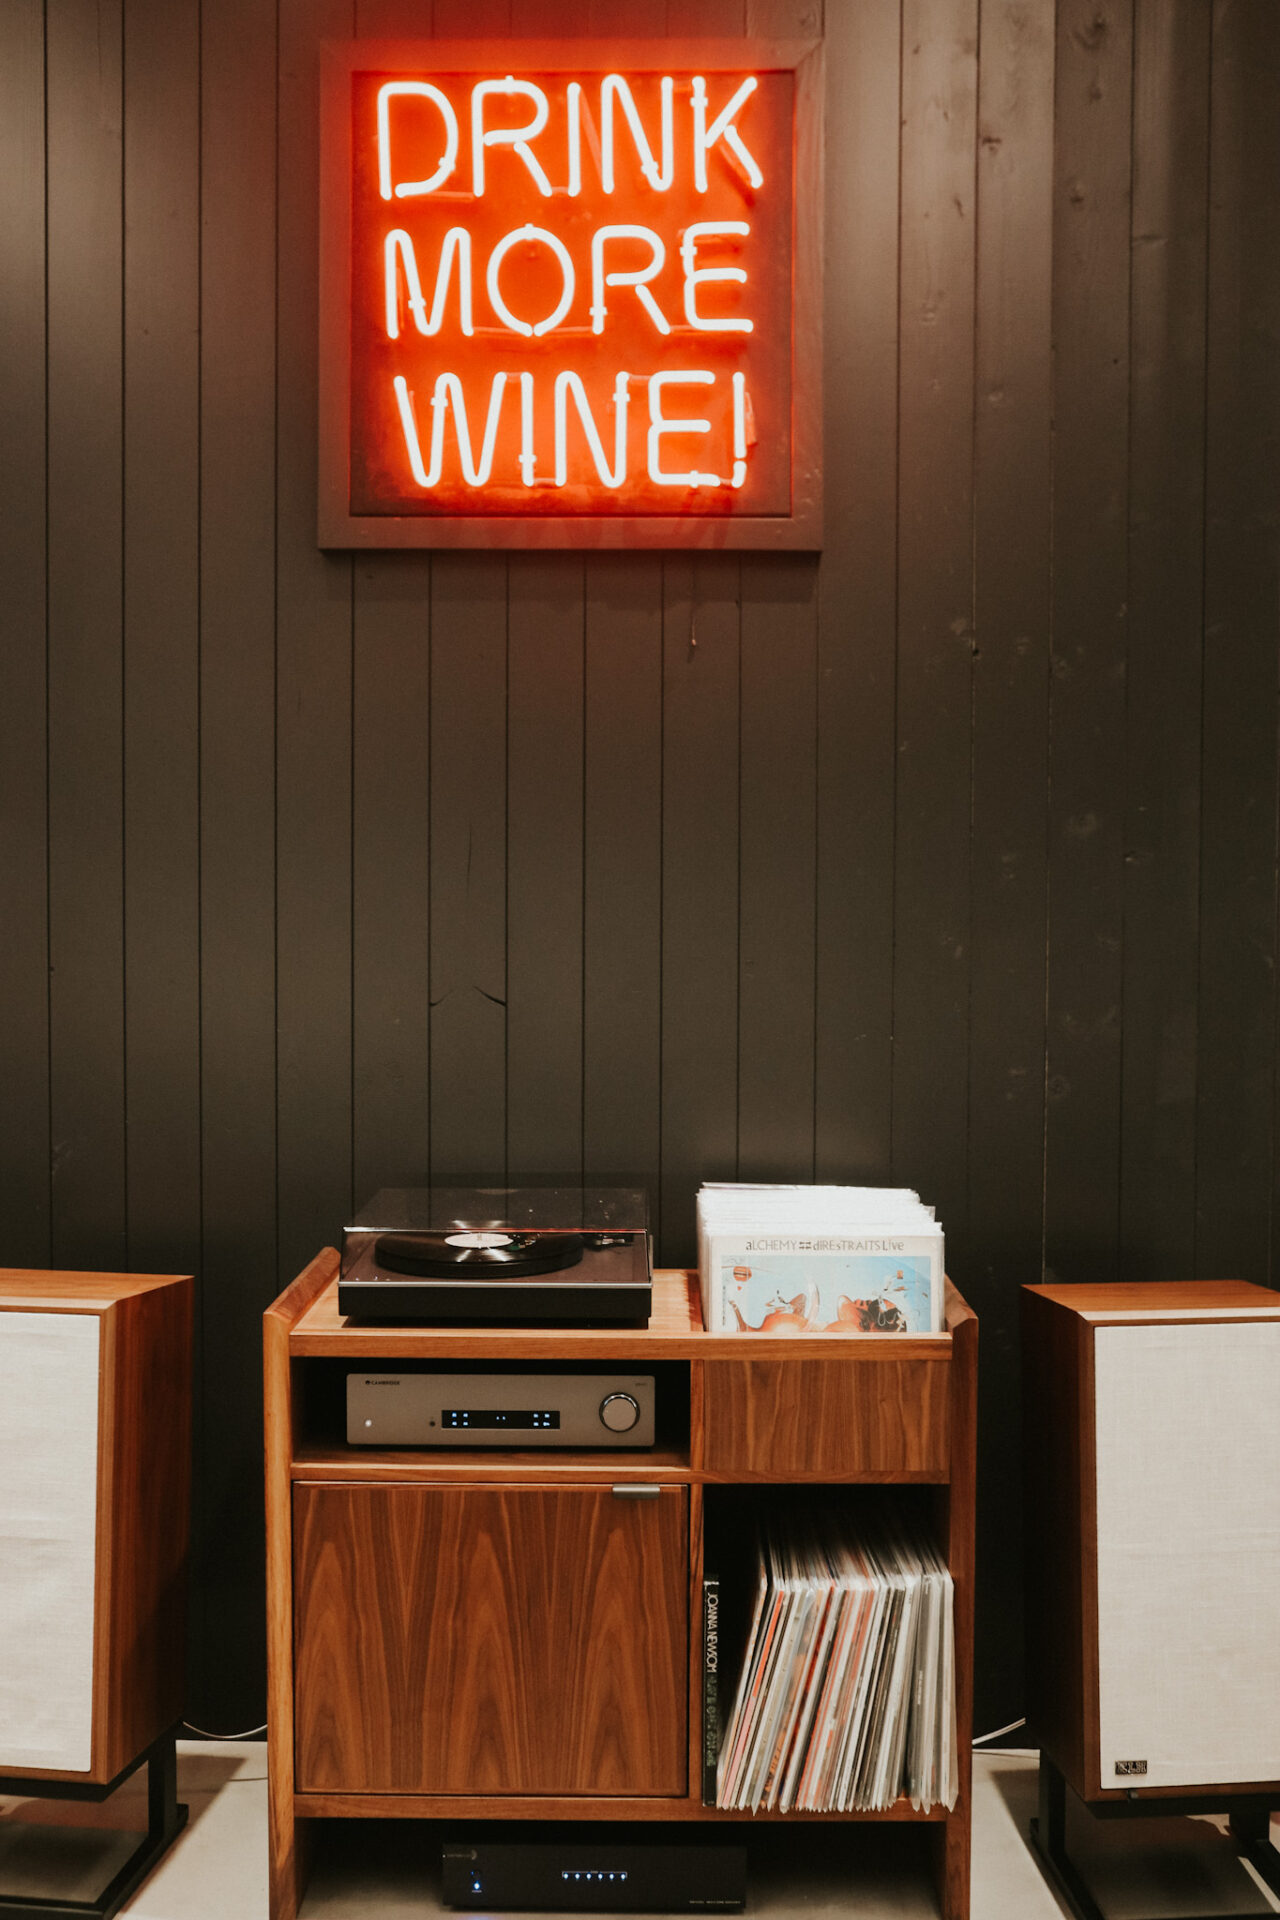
[(561, 1209)]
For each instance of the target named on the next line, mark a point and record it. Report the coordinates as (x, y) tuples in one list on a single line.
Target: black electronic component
[(593, 1874)]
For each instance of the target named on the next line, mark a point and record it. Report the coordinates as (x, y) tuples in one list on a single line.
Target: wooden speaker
[(1153, 1536), (95, 1436)]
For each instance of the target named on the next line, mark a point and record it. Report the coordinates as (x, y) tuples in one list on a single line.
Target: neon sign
[(570, 295)]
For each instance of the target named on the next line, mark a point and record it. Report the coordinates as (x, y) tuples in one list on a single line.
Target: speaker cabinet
[(1153, 1535), (95, 1440)]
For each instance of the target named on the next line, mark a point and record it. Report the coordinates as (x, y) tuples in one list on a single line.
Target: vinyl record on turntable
[(470, 1255)]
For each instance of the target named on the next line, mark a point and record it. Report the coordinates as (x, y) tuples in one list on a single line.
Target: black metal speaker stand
[(1250, 1829), (165, 1821)]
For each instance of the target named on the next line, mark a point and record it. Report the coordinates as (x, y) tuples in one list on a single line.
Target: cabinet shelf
[(542, 1467), (425, 1806), (470, 1634)]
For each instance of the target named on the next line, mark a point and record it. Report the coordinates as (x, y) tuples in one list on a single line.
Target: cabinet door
[(490, 1640)]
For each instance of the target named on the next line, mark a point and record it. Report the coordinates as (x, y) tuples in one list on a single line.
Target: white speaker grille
[(1188, 1497), (48, 1526)]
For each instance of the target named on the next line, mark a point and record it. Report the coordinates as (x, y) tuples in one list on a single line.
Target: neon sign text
[(567, 287)]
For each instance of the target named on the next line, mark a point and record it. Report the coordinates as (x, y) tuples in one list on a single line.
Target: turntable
[(499, 1256)]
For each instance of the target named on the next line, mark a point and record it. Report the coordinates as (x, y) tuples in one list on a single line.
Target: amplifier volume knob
[(619, 1412)]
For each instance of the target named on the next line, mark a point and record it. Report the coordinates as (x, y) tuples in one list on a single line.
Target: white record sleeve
[(1188, 1506)]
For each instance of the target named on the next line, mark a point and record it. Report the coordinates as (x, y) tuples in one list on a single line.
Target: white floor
[(374, 1870)]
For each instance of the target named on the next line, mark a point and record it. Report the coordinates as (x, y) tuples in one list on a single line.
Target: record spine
[(710, 1686)]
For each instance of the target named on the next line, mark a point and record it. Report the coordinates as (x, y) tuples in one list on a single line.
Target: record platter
[(499, 1256)]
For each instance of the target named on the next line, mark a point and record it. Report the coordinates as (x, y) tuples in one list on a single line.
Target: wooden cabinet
[(529, 1640), (512, 1635)]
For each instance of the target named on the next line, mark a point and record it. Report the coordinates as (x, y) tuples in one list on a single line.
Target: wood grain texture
[(827, 1420), (530, 1640), (473, 1566), (545, 666), (237, 865), (314, 714), (674, 1332), (286, 1850), (24, 835), (143, 1500), (414, 1806), (391, 1037), (468, 869), (1161, 1296), (391, 825), (960, 1503), (1236, 1085), (320, 1460), (622, 872), (1165, 655), (84, 213), (857, 600), (1010, 795), (776, 857), (935, 604), (1093, 160), (161, 586), (1053, 1419), (701, 623), (1161, 244), (146, 1524)]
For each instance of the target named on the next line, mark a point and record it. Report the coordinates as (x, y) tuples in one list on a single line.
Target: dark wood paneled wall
[(949, 858)]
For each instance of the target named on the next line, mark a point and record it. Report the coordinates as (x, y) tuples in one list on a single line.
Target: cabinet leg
[(951, 1864), (290, 1863)]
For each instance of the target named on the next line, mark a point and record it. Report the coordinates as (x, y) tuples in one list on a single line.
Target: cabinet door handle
[(645, 1490)]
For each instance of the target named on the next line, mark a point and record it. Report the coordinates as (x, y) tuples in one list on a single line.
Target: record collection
[(818, 1259), (846, 1696)]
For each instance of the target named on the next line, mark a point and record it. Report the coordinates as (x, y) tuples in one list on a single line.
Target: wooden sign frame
[(342, 527)]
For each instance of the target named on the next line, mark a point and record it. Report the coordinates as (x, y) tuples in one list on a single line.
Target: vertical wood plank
[(622, 870), (390, 826), (313, 704), (700, 773), (776, 1042), (544, 866), (545, 749), (86, 935), (468, 868), (1235, 1117), (935, 606), (468, 819), (1165, 645), (1090, 591), (701, 705), (1012, 506), (857, 610), (161, 610), (777, 850), (24, 827), (237, 845)]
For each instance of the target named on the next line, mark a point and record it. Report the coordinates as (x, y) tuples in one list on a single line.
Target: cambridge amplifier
[(513, 1410)]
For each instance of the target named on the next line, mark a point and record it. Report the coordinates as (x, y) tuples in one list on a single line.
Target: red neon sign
[(569, 295)]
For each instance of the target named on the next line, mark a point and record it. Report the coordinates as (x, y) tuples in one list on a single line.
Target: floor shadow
[(1144, 1868), (69, 1850)]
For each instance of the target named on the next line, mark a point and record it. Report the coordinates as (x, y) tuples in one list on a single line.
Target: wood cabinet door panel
[(835, 1419), (485, 1640)]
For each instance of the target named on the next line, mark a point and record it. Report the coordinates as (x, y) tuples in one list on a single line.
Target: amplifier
[(511, 1410), (594, 1875)]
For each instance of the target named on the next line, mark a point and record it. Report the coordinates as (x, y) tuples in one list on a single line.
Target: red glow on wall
[(566, 292)]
